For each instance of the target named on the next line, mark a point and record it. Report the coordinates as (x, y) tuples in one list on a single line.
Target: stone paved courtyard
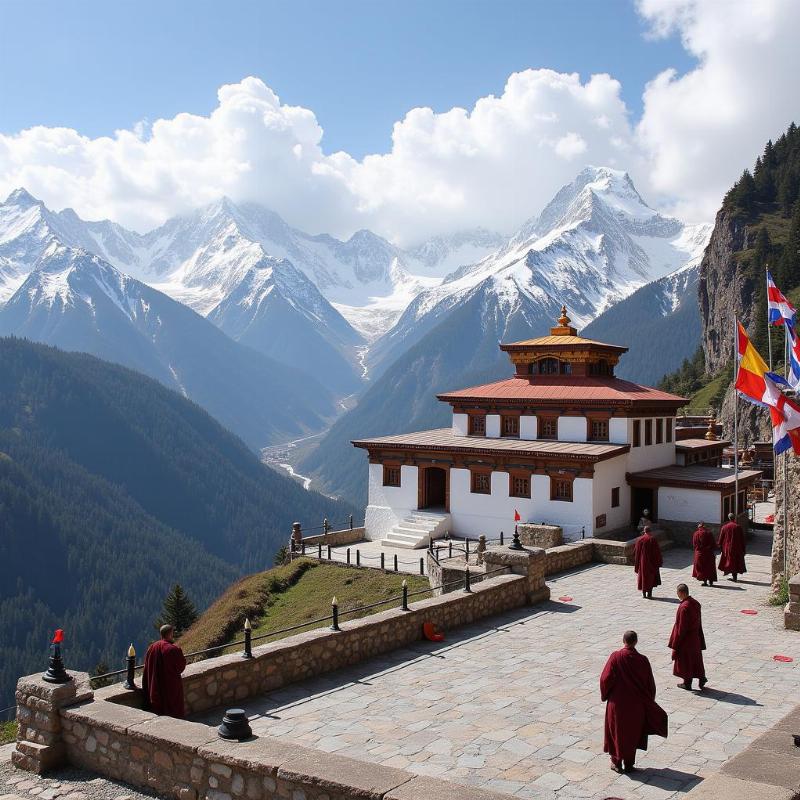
[(513, 703)]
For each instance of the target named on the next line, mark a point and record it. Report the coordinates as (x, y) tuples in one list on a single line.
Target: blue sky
[(99, 66)]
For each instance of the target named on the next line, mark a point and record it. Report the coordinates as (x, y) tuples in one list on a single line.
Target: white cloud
[(700, 130), (493, 165)]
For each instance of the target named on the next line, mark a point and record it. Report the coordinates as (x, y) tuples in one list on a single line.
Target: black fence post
[(351, 522), (501, 538), (131, 668), (583, 532), (329, 552), (358, 557), (466, 547), (467, 586), (319, 551), (348, 555), (449, 549), (248, 640), (302, 548), (335, 613), (421, 566), (395, 562), (405, 595), (326, 526), (383, 560)]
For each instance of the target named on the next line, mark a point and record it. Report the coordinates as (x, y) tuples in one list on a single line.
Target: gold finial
[(131, 651), (564, 320), (563, 328), (711, 433)]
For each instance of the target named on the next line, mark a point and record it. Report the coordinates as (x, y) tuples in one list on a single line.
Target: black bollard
[(405, 595), (358, 557), (422, 566), (329, 552), (501, 538), (383, 560), (335, 613), (235, 725), (395, 562), (449, 549), (130, 666), (319, 551), (515, 542), (467, 586), (351, 522), (348, 555), (466, 547), (248, 640), (55, 671)]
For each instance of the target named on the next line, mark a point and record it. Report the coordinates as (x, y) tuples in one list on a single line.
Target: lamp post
[(335, 613), (516, 544), (56, 672), (405, 595), (248, 635), (131, 668)]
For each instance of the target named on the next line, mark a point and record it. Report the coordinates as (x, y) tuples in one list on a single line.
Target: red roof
[(565, 388)]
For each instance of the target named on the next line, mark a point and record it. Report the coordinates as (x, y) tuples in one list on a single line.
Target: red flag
[(59, 636), (517, 517)]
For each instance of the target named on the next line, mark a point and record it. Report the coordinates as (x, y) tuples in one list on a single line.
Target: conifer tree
[(178, 611)]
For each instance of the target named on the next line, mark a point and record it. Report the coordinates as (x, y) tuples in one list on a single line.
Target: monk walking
[(632, 714), (687, 641), (731, 542), (161, 679), (647, 561), (704, 566)]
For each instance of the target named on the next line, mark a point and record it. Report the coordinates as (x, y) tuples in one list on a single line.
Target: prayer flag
[(780, 309)]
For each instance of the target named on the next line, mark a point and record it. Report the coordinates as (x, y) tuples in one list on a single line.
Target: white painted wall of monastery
[(619, 432), (493, 426), (572, 429), (649, 456), (460, 425), (689, 505), (389, 504), (527, 427), (607, 475)]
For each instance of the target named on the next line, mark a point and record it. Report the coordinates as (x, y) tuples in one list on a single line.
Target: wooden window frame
[(636, 438), (519, 475), (669, 424), (503, 418), (386, 470), (659, 431), (615, 497), (540, 418), (567, 479), (470, 424), (648, 432), (590, 421), (475, 473)]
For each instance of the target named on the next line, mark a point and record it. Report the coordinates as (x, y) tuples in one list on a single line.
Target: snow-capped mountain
[(594, 244), (77, 301)]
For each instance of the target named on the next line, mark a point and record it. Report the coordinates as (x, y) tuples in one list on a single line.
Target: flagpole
[(735, 419), (785, 468), (769, 334)]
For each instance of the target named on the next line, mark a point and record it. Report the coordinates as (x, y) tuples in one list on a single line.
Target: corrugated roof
[(445, 439), (698, 444), (698, 473), (564, 339), (564, 388)]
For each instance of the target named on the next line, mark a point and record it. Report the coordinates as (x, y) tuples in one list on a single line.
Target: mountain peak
[(22, 198)]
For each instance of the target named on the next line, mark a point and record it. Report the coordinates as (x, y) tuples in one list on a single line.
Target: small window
[(391, 476), (615, 497), (648, 432), (509, 426), (637, 433), (549, 366), (477, 425), (520, 486), (548, 427), (561, 489), (481, 483), (598, 430), (659, 431), (669, 430)]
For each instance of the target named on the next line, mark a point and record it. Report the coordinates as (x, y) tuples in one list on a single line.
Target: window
[(391, 476), (509, 426), (561, 489), (669, 430), (615, 497), (598, 430), (659, 431), (600, 367), (477, 425), (548, 427), (520, 486), (637, 433), (550, 366), (481, 482), (648, 432)]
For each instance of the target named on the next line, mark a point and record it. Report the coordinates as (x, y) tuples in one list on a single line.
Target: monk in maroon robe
[(632, 714), (687, 641), (161, 679), (731, 542), (647, 561), (704, 567)]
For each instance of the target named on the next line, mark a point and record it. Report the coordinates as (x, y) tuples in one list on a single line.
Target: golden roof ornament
[(711, 433), (563, 328), (563, 320)]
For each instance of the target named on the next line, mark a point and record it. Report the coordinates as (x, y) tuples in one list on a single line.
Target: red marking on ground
[(751, 612), (565, 599), (784, 659)]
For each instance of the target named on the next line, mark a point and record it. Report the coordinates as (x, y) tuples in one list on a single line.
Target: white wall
[(689, 505), (649, 456), (389, 504), (460, 424), (527, 427), (474, 514), (618, 430), (572, 429), (607, 475), (493, 425)]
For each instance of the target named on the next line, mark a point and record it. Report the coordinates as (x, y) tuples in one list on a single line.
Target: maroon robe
[(646, 562), (632, 713), (731, 542), (161, 679), (687, 641), (704, 567)]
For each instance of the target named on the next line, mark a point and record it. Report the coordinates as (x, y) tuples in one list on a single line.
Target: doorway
[(433, 488), (641, 499)]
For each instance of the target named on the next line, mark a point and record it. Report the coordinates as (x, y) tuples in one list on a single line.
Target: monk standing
[(161, 679), (731, 542), (628, 687), (704, 567), (687, 641), (647, 561)]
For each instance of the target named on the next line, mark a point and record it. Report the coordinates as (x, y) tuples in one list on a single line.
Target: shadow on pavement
[(729, 697)]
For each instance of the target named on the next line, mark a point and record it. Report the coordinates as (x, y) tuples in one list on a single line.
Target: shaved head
[(630, 638), (682, 589)]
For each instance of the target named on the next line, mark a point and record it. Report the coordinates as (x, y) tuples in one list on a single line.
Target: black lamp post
[(335, 614), (56, 672), (248, 640), (130, 665), (515, 542)]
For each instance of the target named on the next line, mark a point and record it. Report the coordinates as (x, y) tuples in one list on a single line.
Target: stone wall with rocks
[(681, 532), (793, 519), (335, 538), (569, 556), (791, 612), (546, 536)]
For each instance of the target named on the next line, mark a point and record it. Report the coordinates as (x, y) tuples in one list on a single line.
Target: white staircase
[(417, 530)]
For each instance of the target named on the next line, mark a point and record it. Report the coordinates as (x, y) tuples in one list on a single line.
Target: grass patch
[(8, 732), (293, 595), (712, 394), (781, 598)]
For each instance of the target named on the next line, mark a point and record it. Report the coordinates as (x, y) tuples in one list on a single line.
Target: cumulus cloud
[(491, 165), (700, 130)]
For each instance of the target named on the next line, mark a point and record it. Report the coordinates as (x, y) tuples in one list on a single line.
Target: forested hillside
[(113, 488)]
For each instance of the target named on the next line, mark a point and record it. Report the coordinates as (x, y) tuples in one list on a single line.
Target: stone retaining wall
[(791, 612), (335, 538), (681, 532), (605, 551), (546, 536)]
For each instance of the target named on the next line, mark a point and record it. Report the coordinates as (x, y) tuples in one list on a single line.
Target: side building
[(563, 441)]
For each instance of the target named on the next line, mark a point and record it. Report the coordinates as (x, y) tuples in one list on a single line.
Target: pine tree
[(282, 556), (178, 611), (101, 669)]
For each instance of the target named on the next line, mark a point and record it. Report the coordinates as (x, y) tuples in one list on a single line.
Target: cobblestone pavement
[(66, 784), (513, 703)]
